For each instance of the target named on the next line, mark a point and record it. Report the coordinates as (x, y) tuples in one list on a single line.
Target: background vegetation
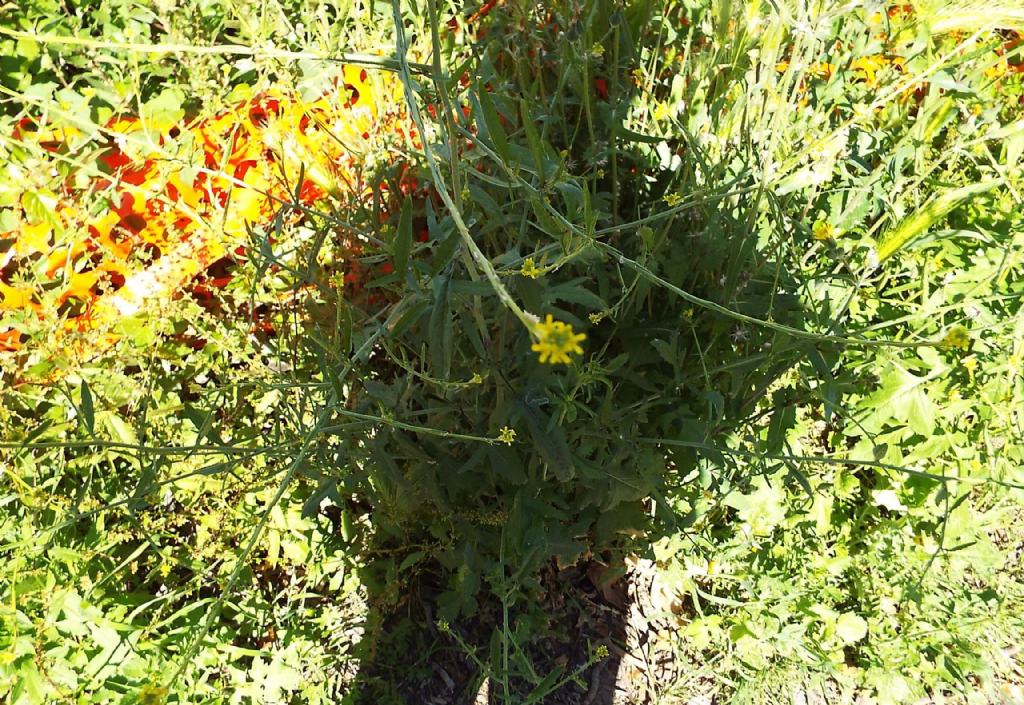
[(790, 232)]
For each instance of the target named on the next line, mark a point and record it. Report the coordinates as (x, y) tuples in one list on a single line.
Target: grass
[(324, 463)]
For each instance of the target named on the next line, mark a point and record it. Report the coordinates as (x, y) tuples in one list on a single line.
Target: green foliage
[(797, 266)]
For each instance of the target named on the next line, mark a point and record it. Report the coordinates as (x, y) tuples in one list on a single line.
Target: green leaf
[(87, 408), (889, 500), (403, 241), (920, 220), (920, 412), (440, 329), (119, 428), (851, 628), (41, 207), (550, 441), (572, 292), (782, 419), (624, 132), (547, 684), (29, 689), (533, 139), (411, 560), (490, 126), (902, 398), (666, 350)]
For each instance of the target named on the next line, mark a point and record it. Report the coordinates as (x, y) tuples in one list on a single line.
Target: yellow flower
[(957, 337), (997, 70), (823, 70), (661, 111), (673, 199), (530, 269), (865, 68), (151, 694), (13, 298), (823, 230), (782, 66), (507, 435), (555, 340)]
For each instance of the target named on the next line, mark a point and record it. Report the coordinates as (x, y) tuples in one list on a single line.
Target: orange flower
[(10, 340), (250, 156)]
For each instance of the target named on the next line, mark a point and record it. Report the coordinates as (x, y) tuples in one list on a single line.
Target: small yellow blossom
[(151, 694), (555, 340), (507, 435), (1013, 363), (596, 318), (661, 111), (863, 113), (476, 379), (673, 199), (782, 66), (997, 70), (957, 337), (823, 70), (823, 230), (530, 269)]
